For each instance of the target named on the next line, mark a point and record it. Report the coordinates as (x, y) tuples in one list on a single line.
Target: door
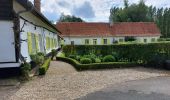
[(7, 47)]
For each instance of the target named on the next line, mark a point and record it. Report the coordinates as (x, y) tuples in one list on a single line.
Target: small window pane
[(86, 41), (145, 40), (72, 42), (105, 41), (95, 41)]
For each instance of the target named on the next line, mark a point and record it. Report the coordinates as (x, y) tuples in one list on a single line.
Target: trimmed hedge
[(140, 53), (96, 66), (85, 61), (43, 69)]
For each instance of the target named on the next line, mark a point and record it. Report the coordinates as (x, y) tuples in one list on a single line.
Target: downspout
[(17, 30)]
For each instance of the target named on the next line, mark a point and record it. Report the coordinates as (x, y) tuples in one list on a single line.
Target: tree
[(142, 13), (68, 18)]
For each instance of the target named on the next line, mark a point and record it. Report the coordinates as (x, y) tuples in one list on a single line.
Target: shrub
[(91, 56), (157, 61), (61, 54), (97, 60), (38, 58), (53, 53), (43, 69), (72, 56), (25, 69), (78, 58), (85, 61), (141, 53), (96, 66), (109, 58), (116, 55), (40, 54)]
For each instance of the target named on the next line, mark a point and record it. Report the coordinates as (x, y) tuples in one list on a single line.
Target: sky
[(88, 10)]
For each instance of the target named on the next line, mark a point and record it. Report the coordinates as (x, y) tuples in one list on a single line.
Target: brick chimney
[(37, 5)]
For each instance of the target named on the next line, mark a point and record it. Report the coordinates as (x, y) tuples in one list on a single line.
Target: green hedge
[(95, 66), (139, 53), (43, 69)]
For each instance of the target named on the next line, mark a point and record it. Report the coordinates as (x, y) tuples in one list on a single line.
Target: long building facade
[(82, 33), (24, 31)]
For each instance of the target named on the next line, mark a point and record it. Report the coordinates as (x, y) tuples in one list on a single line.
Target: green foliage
[(97, 60), (85, 61), (96, 66), (43, 69), (25, 69), (142, 13), (68, 18), (164, 39), (109, 58), (73, 56), (61, 54), (53, 53), (38, 58), (139, 53)]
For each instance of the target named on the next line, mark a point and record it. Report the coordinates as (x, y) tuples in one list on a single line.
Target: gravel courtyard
[(63, 82)]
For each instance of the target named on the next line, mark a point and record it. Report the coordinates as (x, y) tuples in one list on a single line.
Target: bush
[(109, 58), (97, 60), (43, 69), (141, 53), (96, 66), (38, 58), (53, 53), (91, 56), (25, 69), (61, 54), (85, 61), (72, 56), (157, 61)]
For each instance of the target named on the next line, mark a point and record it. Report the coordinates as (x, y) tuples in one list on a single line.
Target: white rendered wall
[(28, 27), (81, 40)]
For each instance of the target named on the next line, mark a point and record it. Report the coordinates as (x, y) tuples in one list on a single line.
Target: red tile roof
[(105, 29)]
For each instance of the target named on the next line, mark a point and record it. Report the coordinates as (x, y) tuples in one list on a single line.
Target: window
[(86, 41), (153, 39), (105, 41), (145, 40), (120, 40), (95, 41), (72, 42)]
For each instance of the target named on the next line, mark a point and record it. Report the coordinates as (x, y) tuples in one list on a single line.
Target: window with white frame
[(104, 41), (87, 42), (94, 41)]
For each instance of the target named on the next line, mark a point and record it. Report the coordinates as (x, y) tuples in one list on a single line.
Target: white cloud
[(101, 8)]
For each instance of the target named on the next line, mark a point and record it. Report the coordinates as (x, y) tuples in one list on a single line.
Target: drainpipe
[(17, 30)]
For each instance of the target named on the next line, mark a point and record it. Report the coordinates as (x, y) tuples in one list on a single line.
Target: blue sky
[(89, 10)]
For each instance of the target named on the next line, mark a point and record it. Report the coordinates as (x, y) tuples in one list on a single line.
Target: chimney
[(37, 5)]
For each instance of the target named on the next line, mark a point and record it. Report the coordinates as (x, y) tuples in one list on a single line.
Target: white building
[(81, 33), (24, 31)]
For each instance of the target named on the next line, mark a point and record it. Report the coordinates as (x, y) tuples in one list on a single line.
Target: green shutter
[(108, 40), (29, 43), (102, 41), (46, 42), (37, 42)]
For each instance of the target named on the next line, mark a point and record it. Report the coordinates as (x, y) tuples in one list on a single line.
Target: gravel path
[(63, 82)]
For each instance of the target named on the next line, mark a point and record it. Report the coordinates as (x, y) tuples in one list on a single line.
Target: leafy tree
[(68, 18), (142, 13)]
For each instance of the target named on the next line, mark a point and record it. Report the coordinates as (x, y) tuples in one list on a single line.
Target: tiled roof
[(105, 29)]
